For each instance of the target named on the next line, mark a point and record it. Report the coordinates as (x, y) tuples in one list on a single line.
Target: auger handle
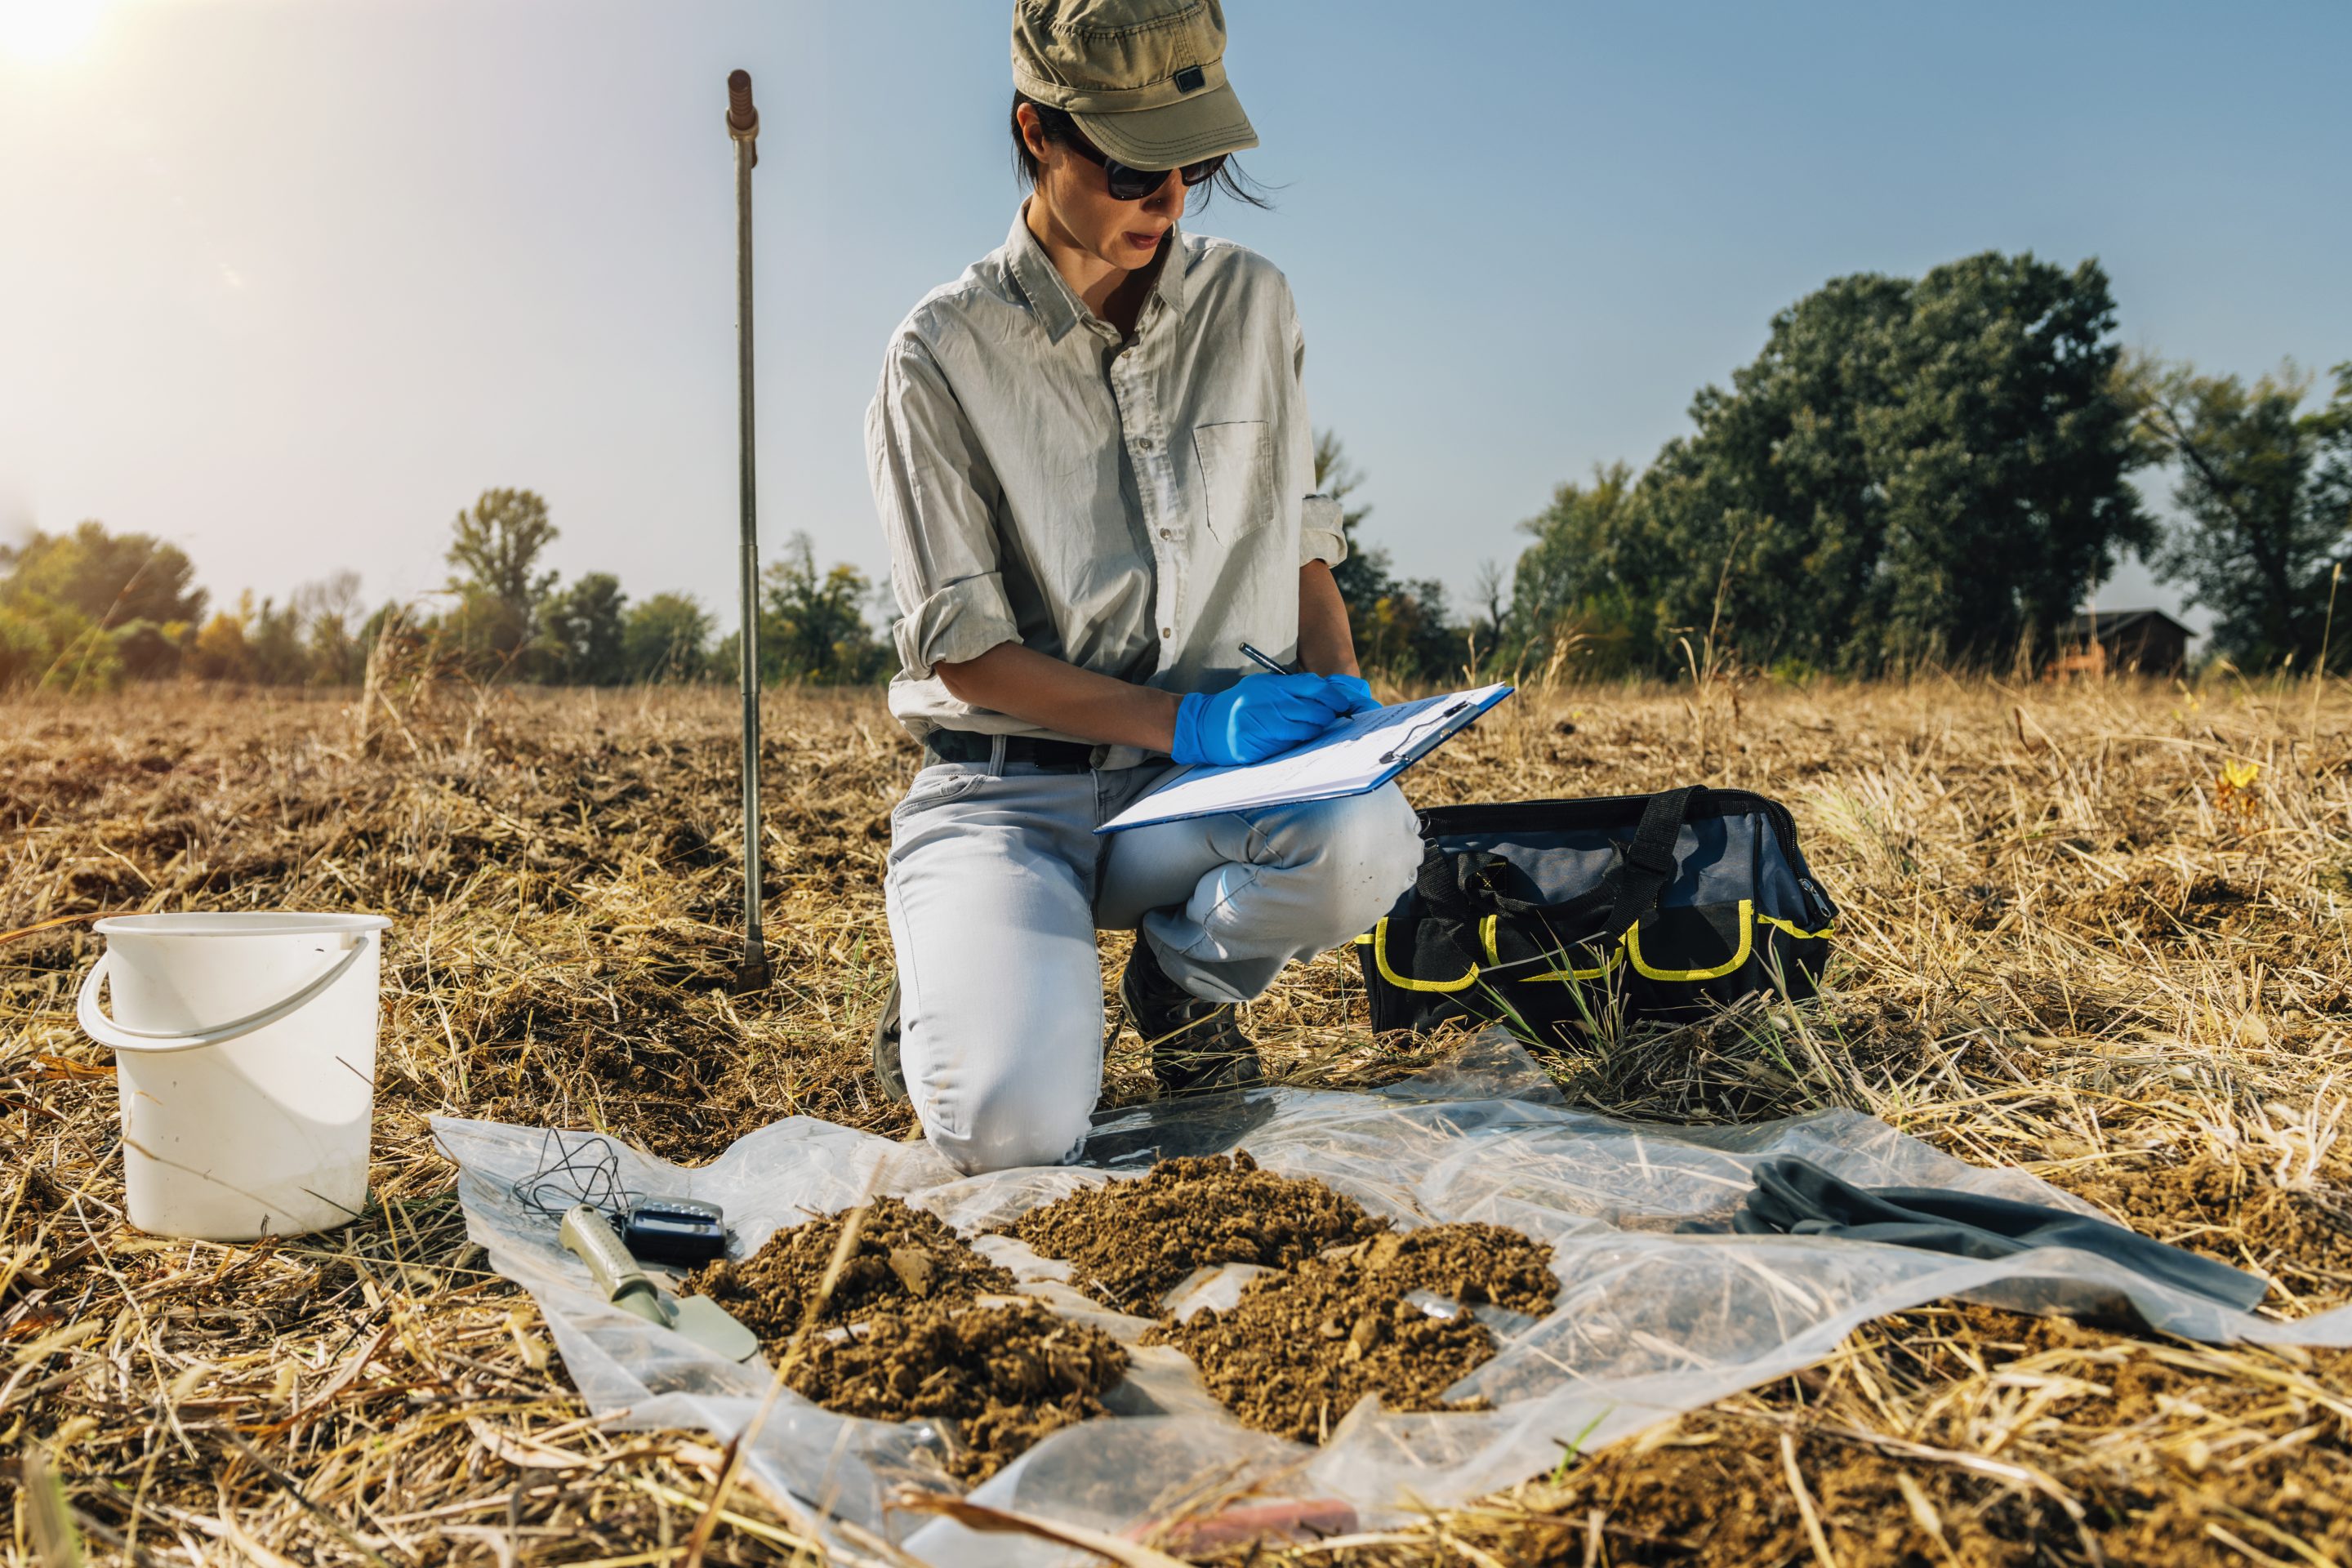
[(742, 119)]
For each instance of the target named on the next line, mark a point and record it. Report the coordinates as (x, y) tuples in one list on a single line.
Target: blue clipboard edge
[(1455, 725)]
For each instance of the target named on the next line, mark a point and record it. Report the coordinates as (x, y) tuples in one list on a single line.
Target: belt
[(1052, 756)]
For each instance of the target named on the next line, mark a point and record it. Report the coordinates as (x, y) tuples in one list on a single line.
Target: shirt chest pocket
[(1236, 462)]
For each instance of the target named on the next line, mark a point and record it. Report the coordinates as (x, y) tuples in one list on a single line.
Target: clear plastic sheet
[(1654, 1317)]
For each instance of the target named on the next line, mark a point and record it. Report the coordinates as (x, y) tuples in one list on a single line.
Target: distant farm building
[(2120, 642)]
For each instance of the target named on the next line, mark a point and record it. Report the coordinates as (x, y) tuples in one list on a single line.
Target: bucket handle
[(122, 1037)]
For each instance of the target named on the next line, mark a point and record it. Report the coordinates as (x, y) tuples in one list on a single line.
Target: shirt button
[(1167, 533), (1166, 633), (1143, 442)]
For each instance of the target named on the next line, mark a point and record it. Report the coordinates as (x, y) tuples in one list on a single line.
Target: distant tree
[(2264, 486), (54, 645), (581, 629), (2006, 457), (1359, 577), (665, 638), (1398, 624), (273, 641), (486, 635), (1491, 587), (337, 649), (28, 644), (496, 549), (811, 625), (150, 652), (220, 652), (81, 609), (1910, 469), (110, 578), (1580, 592)]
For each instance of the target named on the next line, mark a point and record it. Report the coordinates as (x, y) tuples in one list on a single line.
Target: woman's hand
[(1260, 716)]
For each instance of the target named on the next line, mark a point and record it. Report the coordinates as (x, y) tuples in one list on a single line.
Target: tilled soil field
[(2072, 942)]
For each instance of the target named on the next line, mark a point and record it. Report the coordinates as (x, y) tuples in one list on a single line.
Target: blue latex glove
[(1360, 692), (1260, 716)]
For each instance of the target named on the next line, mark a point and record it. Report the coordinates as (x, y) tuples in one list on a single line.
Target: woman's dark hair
[(1058, 126)]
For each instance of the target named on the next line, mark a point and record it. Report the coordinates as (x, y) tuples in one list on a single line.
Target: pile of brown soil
[(1477, 1265), (1131, 1243), (992, 1380), (903, 1257), (1303, 1344)]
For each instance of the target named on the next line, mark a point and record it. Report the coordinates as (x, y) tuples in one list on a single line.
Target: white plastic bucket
[(245, 1052)]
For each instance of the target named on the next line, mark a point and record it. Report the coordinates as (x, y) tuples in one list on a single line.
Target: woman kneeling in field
[(1092, 457)]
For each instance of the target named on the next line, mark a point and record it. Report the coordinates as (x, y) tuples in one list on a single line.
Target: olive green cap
[(1145, 79)]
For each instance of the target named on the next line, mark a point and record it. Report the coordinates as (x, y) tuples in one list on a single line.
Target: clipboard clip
[(1413, 730)]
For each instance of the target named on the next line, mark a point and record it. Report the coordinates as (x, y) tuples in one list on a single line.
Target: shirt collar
[(1057, 305)]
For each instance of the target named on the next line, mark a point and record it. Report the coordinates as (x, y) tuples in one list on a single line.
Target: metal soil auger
[(743, 125)]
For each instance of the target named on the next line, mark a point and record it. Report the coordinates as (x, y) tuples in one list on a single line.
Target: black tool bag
[(1552, 915)]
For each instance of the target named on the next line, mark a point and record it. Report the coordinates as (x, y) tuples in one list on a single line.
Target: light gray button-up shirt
[(1139, 508)]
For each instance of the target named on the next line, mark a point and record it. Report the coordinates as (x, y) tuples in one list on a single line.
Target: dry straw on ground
[(2099, 933)]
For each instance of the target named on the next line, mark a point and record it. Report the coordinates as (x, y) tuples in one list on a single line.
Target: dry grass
[(2070, 944)]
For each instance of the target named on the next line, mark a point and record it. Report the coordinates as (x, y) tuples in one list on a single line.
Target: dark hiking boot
[(886, 1050), (1197, 1047)]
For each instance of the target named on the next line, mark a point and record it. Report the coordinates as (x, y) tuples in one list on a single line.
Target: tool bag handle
[(1461, 886), (1649, 859)]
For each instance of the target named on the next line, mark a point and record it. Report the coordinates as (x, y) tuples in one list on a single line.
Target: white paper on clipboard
[(1360, 752)]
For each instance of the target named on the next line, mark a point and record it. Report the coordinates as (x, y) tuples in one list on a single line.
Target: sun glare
[(40, 32)]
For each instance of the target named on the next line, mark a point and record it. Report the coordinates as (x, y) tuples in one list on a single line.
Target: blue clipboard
[(1355, 756)]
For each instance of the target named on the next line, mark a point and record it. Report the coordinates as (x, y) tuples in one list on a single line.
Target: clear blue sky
[(290, 283)]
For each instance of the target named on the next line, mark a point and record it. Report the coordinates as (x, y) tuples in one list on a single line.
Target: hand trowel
[(589, 1234)]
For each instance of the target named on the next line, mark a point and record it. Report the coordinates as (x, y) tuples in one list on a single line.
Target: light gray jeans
[(998, 882)]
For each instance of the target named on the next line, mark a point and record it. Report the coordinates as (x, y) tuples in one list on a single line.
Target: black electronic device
[(675, 1230)]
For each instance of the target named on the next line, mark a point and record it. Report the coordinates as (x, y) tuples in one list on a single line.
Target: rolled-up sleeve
[(935, 493), (1321, 534)]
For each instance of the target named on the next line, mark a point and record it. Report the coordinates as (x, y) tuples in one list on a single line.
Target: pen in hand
[(1265, 659), (1365, 699)]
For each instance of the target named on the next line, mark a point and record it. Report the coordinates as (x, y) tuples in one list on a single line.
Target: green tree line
[(1916, 471), (87, 609)]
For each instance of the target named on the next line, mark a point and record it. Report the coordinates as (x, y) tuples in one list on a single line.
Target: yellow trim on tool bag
[(1380, 942), (1797, 932), (1629, 946), (1747, 942), (1487, 935)]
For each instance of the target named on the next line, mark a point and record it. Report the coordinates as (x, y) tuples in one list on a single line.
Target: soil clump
[(1476, 1265), (904, 1258), (1303, 1344), (1131, 1243), (992, 1380)]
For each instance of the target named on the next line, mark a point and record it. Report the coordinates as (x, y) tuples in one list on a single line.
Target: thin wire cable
[(569, 1174)]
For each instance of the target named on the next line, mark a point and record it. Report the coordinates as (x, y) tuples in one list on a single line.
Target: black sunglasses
[(1133, 185)]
